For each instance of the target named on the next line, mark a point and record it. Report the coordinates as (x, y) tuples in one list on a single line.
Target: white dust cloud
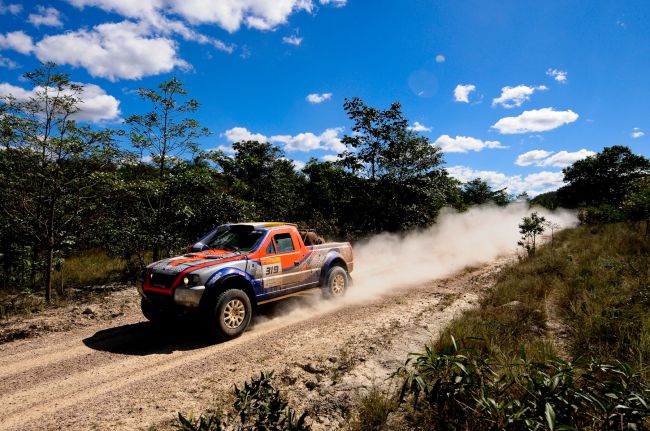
[(387, 262)]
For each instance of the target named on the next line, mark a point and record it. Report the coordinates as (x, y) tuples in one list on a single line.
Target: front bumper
[(189, 296), (186, 296)]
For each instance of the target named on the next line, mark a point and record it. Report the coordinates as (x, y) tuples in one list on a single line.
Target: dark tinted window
[(271, 248), (284, 242), (244, 240)]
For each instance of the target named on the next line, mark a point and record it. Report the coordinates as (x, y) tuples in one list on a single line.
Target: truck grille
[(164, 281)]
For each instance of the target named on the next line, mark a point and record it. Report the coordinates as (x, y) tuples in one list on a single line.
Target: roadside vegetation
[(258, 405), (560, 342)]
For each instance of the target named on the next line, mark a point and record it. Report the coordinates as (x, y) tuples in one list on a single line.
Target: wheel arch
[(235, 279), (334, 259)]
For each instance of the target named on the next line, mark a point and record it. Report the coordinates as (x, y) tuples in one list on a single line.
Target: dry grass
[(599, 280), (91, 268), (82, 278), (372, 409)]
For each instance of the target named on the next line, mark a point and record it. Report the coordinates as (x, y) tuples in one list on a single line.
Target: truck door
[(280, 265)]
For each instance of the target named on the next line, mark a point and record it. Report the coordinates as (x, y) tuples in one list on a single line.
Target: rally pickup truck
[(235, 268)]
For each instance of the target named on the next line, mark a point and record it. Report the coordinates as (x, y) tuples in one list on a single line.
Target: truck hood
[(207, 258)]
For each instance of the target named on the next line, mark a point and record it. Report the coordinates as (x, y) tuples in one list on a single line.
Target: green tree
[(259, 173), (165, 134), (403, 183), (548, 200), (328, 199), (602, 179), (529, 229), (479, 192), (637, 202), (62, 164), (372, 133)]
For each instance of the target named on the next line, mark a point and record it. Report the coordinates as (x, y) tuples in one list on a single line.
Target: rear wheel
[(231, 314), (336, 282)]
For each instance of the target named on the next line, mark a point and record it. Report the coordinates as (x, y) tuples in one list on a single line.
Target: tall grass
[(91, 268), (79, 278), (593, 283), (594, 280)]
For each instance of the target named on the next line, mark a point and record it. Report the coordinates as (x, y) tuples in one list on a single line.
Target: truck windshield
[(236, 240)]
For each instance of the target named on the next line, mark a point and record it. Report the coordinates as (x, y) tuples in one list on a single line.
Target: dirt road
[(122, 374)]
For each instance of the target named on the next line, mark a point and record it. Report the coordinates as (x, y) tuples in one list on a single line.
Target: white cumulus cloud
[(298, 165), (461, 92), (561, 159), (463, 144), (47, 16), (419, 127), (335, 3), (559, 75), (537, 120), (637, 133), (318, 97), (306, 141), (239, 134), (512, 97), (96, 106), (440, 58), (533, 184), (330, 157), (231, 14), (18, 41), (112, 50)]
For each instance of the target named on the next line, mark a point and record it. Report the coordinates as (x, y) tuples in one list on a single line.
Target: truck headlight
[(191, 280)]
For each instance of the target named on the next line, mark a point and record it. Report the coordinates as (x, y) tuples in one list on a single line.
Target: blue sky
[(577, 71)]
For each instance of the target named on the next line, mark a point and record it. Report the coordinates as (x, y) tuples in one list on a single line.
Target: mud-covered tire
[(336, 284), (231, 314), (156, 314)]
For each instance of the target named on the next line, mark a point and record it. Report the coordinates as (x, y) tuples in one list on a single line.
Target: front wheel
[(231, 314), (336, 282), (156, 314)]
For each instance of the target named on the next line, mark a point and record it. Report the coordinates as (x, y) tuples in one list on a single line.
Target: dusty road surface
[(119, 373)]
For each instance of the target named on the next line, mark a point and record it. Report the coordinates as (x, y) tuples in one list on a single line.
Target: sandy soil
[(108, 369)]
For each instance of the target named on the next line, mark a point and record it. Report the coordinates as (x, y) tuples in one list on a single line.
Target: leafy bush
[(599, 214), (470, 389), (258, 406)]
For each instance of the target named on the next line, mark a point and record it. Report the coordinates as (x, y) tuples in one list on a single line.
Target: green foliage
[(165, 134), (637, 202), (604, 178), (373, 133), (530, 228), (548, 200), (400, 181), (258, 406), (601, 214), (470, 389), (48, 200), (260, 173), (478, 192)]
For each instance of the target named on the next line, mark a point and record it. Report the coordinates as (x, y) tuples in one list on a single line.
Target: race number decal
[(271, 270)]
